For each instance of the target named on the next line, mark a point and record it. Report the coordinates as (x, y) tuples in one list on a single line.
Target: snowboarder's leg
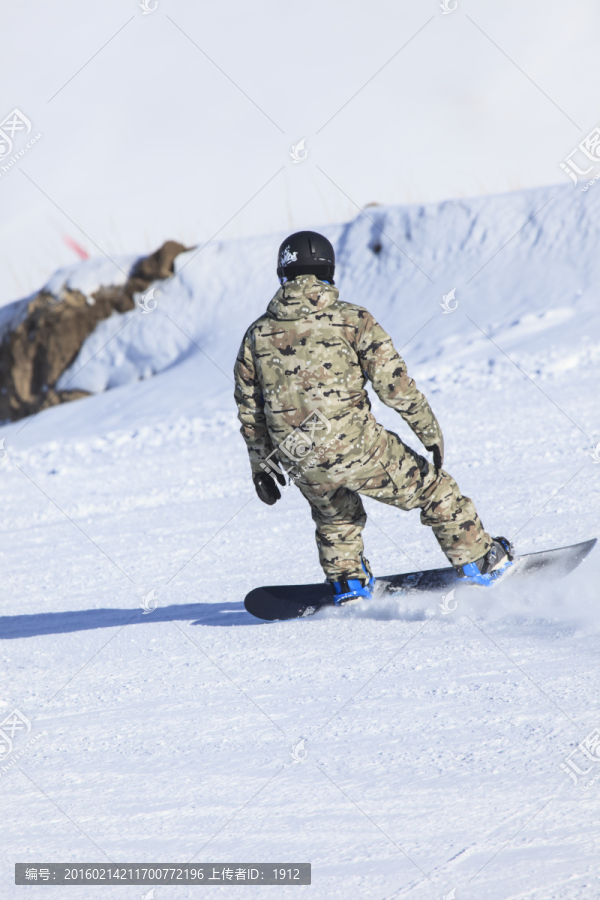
[(340, 518), (407, 480), (454, 521)]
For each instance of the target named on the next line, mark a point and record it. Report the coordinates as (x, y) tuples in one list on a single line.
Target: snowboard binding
[(350, 590), (489, 568)]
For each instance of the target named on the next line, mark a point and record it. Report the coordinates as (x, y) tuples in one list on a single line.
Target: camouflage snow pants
[(393, 473)]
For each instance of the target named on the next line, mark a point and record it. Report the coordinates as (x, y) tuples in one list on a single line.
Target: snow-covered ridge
[(524, 267), (86, 277), (89, 276)]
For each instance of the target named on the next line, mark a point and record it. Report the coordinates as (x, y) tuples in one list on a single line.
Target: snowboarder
[(300, 379)]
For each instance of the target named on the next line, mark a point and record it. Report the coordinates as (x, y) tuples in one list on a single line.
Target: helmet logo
[(287, 257)]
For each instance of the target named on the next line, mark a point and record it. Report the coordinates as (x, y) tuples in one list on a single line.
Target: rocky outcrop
[(48, 334)]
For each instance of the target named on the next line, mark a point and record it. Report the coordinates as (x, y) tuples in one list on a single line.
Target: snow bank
[(521, 266), (92, 274)]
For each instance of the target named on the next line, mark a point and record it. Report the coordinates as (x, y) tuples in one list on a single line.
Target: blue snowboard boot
[(491, 567), (353, 589)]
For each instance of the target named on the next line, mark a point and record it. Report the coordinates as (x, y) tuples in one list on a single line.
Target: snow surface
[(434, 741)]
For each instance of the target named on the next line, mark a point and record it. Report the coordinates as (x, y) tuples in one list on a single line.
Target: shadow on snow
[(83, 620)]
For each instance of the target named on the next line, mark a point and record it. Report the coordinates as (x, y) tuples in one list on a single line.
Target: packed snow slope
[(435, 742)]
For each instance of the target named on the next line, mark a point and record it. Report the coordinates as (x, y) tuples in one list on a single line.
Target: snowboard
[(295, 601)]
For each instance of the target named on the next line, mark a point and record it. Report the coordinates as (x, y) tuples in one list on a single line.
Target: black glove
[(266, 488), (438, 454)]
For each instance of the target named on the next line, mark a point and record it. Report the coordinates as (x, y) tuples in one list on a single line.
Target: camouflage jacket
[(300, 378)]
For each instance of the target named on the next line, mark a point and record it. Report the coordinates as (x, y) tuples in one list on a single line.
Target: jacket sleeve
[(386, 370), (251, 413)]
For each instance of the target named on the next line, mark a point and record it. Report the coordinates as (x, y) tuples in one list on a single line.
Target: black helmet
[(306, 253)]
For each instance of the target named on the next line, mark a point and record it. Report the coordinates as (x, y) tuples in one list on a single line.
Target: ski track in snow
[(434, 741)]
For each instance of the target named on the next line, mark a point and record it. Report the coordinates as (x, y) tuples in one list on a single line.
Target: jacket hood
[(302, 297)]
